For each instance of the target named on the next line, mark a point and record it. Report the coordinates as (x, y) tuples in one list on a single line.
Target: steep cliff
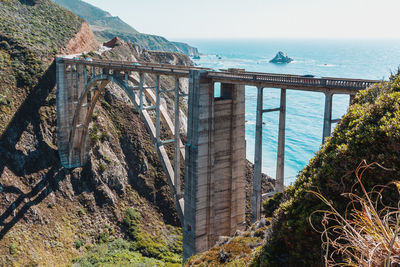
[(95, 16), (106, 27), (187, 49), (119, 201)]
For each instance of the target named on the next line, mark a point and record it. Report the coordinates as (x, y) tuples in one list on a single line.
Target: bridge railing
[(251, 77), (294, 79), (117, 64)]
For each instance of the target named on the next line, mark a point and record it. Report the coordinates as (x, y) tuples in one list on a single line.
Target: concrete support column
[(280, 165), (77, 121), (215, 164), (63, 124), (126, 79), (327, 116), (351, 99), (177, 157), (141, 82), (158, 110), (85, 74), (71, 83), (238, 161), (256, 197), (198, 165)]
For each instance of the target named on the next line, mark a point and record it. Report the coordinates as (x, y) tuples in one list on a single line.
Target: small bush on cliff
[(271, 204), (369, 131), (132, 220)]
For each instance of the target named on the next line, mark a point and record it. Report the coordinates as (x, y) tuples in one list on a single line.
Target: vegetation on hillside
[(163, 249), (38, 25), (31, 32), (107, 27), (96, 16), (369, 131), (238, 250)]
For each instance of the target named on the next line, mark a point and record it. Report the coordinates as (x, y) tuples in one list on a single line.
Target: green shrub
[(271, 204), (132, 221), (102, 167), (104, 136), (103, 237), (78, 243), (13, 248), (116, 253), (81, 212)]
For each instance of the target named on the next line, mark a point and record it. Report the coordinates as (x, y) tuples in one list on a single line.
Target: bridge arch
[(79, 135)]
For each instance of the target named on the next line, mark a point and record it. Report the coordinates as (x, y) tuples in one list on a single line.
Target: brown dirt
[(84, 40)]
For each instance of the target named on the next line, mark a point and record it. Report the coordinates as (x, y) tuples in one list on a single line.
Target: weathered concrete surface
[(214, 182)]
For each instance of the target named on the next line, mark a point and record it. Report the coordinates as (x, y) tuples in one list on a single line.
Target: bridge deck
[(267, 80)]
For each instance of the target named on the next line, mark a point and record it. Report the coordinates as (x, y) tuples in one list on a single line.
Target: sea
[(363, 58)]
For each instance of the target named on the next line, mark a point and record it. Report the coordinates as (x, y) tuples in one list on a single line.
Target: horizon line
[(287, 38)]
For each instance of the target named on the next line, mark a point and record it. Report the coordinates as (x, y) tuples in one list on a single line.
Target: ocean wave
[(327, 65)]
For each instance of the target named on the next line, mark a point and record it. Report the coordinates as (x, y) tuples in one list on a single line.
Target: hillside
[(106, 27), (50, 216), (30, 35), (96, 17)]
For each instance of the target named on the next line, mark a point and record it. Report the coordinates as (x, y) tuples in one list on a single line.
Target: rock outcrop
[(188, 50), (281, 58), (84, 40)]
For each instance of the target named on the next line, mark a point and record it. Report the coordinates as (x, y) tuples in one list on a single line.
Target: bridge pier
[(327, 116), (280, 163), (215, 164), (351, 99), (256, 196), (177, 138), (71, 126)]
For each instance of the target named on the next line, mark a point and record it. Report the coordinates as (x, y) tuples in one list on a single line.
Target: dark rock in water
[(281, 58), (196, 57)]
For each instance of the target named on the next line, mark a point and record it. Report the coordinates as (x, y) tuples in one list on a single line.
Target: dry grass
[(366, 235)]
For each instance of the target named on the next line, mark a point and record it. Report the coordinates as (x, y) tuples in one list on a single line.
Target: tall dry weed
[(367, 234)]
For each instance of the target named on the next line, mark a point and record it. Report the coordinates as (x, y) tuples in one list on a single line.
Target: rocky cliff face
[(187, 49), (83, 40)]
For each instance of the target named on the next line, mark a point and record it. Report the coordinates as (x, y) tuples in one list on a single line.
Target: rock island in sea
[(281, 58)]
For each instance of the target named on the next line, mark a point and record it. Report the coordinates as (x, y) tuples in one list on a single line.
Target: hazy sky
[(259, 18)]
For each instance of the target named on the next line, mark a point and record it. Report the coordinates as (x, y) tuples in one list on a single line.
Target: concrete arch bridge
[(213, 201)]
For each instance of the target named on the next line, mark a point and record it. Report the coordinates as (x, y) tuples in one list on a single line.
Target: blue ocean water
[(367, 59)]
